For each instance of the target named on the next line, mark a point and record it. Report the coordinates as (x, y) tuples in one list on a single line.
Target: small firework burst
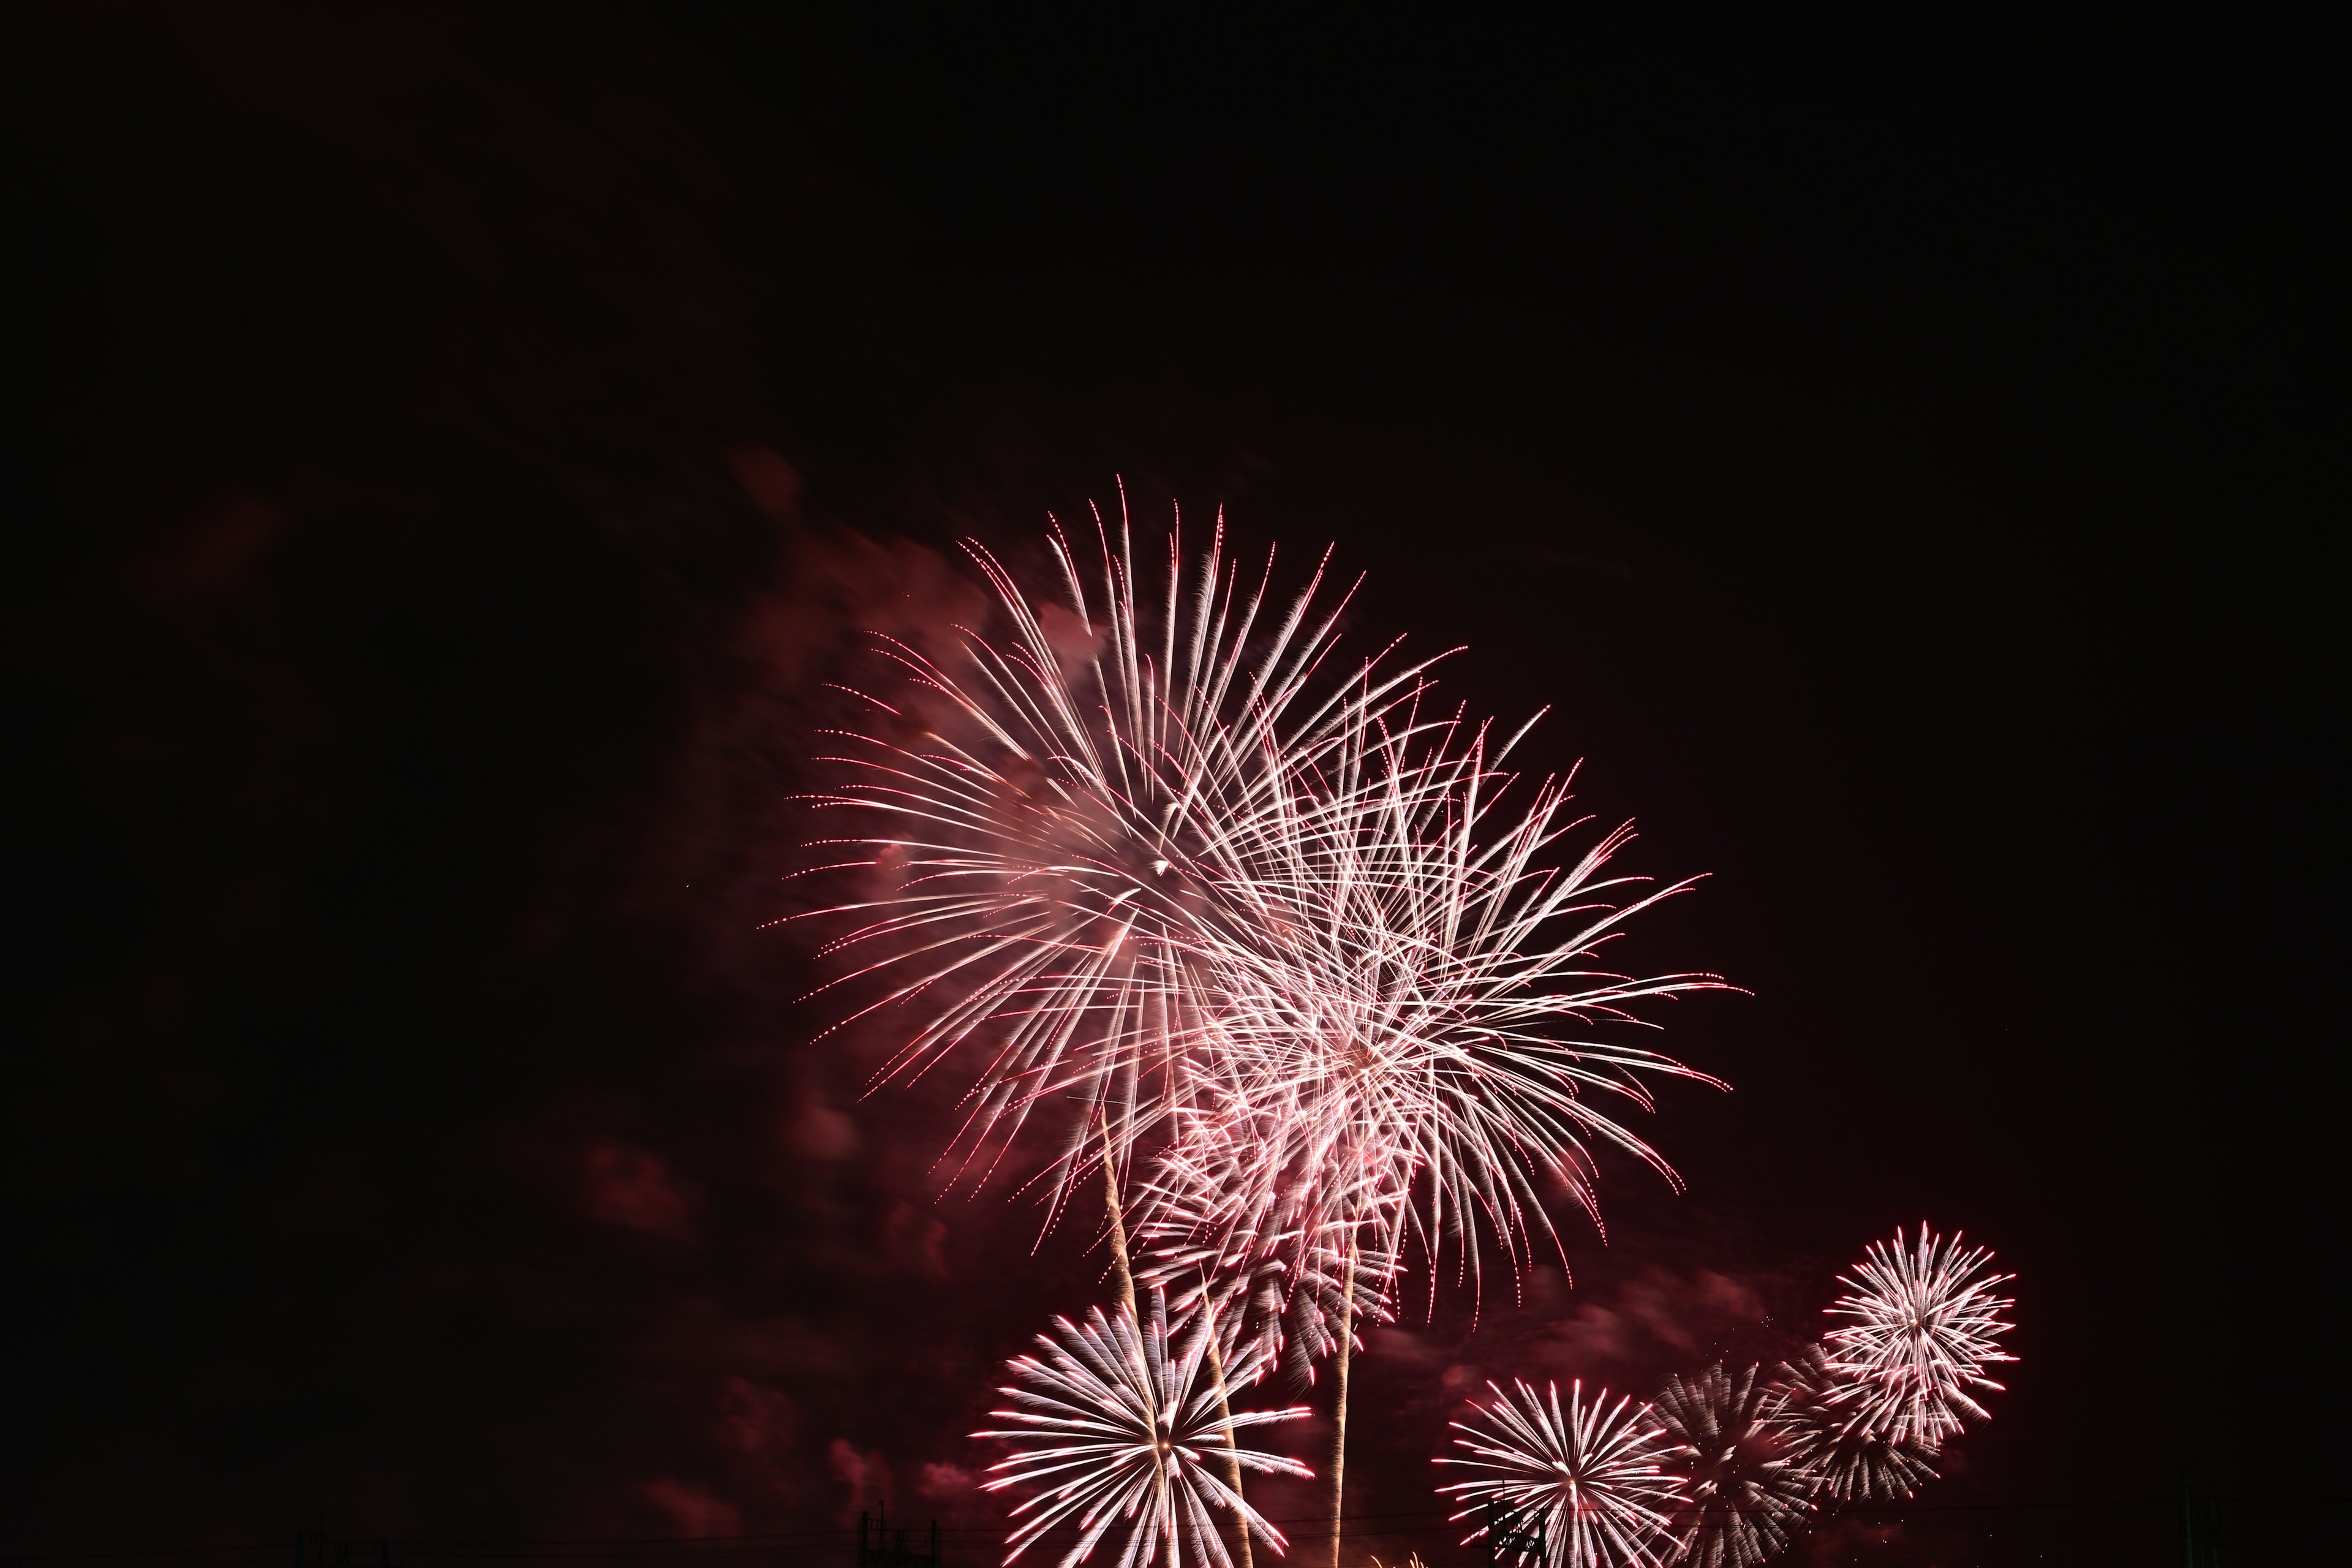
[(1919, 1328), (1748, 1496), (1589, 1473), (1114, 1427)]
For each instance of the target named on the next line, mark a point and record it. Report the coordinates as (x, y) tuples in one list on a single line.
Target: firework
[(1919, 1328), (1113, 1424), (1412, 1060), (1840, 1459), (1591, 1474), (1282, 932), (1748, 1497), (1408, 1064), (1070, 822), (1157, 867)]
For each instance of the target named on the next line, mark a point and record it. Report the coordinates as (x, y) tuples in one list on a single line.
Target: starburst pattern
[(1919, 1326), (1747, 1498), (1113, 1426), (1591, 1471)]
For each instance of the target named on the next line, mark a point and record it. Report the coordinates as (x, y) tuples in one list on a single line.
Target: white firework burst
[(1116, 1430), (1921, 1324), (1592, 1474)]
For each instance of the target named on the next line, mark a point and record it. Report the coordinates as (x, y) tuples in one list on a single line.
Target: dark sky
[(454, 448)]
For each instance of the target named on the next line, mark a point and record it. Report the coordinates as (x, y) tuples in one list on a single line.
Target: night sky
[(454, 450)]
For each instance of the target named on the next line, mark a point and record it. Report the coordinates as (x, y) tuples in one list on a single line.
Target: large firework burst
[(1114, 1426), (1069, 821), (1921, 1324), (1281, 931), (1840, 1459), (1592, 1472), (1748, 1497)]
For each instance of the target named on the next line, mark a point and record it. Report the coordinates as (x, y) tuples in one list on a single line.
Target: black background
[(454, 448)]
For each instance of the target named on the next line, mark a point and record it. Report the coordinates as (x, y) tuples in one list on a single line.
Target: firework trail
[(1920, 1326), (1593, 1473), (1748, 1497), (1113, 1426), (1070, 821), (1841, 1459)]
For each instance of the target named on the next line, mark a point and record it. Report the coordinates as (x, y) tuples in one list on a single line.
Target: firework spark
[(1593, 1473), (1748, 1497), (1920, 1326), (1114, 1426), (1841, 1459)]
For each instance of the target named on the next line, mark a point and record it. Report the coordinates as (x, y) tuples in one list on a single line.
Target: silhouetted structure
[(877, 1548), (1508, 1541)]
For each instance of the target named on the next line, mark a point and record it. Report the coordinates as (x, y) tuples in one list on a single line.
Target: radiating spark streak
[(1920, 1325), (1593, 1472), (1114, 1426)]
